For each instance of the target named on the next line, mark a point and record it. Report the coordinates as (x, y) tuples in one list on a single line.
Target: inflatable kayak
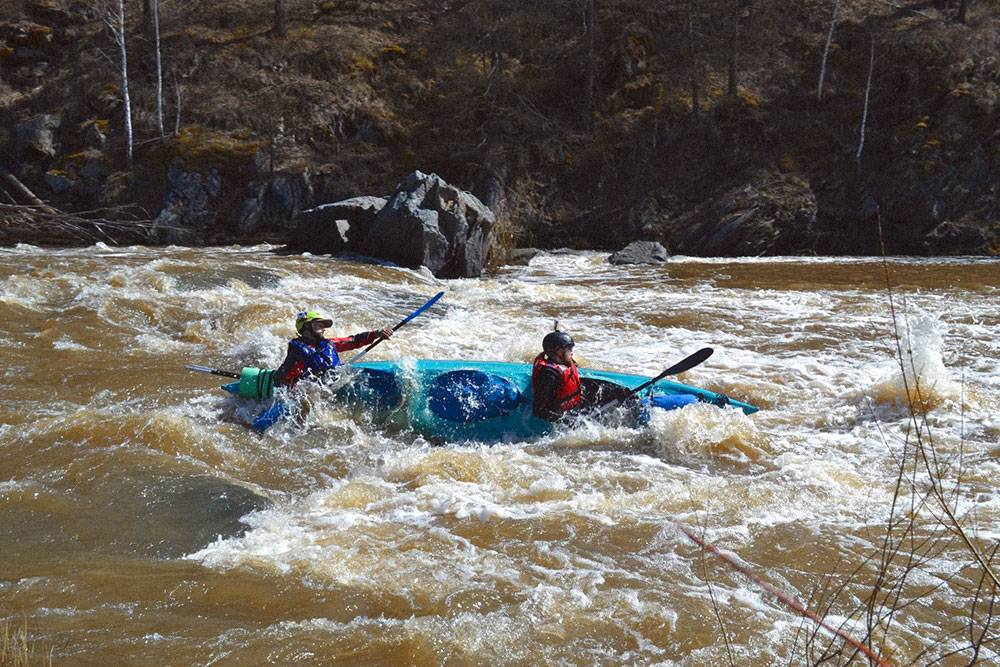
[(485, 401)]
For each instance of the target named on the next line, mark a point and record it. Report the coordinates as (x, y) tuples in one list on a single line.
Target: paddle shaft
[(685, 364), (430, 302), (214, 371), (236, 376)]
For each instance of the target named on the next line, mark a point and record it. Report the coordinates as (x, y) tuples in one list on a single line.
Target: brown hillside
[(694, 123)]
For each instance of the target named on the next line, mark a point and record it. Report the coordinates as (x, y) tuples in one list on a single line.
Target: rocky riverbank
[(571, 133)]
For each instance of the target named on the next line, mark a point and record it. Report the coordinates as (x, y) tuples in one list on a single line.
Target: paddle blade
[(434, 299), (688, 363), (685, 364)]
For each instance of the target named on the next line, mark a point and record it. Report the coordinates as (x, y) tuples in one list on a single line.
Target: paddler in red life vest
[(555, 380), (312, 353)]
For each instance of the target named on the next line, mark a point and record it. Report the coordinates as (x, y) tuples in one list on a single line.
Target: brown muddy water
[(142, 523)]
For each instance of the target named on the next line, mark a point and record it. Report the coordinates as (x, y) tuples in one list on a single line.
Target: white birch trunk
[(864, 115), (826, 51), (177, 105), (117, 23), (159, 67)]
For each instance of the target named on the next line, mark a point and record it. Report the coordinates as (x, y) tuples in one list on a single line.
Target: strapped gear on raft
[(556, 340), (307, 316)]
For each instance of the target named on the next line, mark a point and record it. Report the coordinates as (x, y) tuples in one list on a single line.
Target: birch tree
[(864, 114), (826, 51), (159, 66), (114, 18)]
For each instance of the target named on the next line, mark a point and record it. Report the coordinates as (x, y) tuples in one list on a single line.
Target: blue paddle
[(434, 299), (232, 374)]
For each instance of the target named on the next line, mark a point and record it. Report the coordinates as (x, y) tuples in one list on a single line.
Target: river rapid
[(142, 522)]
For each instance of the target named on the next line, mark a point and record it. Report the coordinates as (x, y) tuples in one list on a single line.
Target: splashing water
[(142, 518)]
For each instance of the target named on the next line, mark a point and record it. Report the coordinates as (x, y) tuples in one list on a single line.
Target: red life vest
[(568, 394)]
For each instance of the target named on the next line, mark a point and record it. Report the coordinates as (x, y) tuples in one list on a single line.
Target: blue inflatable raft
[(486, 401)]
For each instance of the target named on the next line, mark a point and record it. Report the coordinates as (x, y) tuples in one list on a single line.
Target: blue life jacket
[(320, 357)]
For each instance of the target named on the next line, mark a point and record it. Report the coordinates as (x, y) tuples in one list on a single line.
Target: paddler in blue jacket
[(312, 353)]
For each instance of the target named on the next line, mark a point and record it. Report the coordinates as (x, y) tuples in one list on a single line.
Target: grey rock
[(188, 210), (431, 223), (93, 168), (772, 214), (59, 183), (274, 204), (640, 252), (522, 256), (93, 137), (963, 237), (425, 222), (320, 229), (408, 236), (38, 135)]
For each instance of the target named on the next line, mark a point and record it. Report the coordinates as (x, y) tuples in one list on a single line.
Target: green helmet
[(307, 316)]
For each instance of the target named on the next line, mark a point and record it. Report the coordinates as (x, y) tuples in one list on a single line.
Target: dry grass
[(17, 649)]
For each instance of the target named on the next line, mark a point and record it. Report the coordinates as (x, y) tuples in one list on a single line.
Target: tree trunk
[(962, 7), (734, 41), (177, 105), (278, 29), (589, 22), (126, 100), (826, 51), (864, 115), (159, 67), (147, 19), (693, 57), (23, 190)]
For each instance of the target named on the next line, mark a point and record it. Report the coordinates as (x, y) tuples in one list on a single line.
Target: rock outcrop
[(425, 222), (190, 208), (773, 214), (640, 252)]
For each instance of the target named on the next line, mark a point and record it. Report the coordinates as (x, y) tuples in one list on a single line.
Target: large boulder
[(37, 137), (274, 204), (425, 222), (772, 214), (967, 236), (338, 227), (640, 252), (190, 209)]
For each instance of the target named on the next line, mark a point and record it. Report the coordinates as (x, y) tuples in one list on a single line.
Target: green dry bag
[(256, 383)]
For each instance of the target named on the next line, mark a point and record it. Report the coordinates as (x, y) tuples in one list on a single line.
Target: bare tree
[(589, 24), (962, 7), (693, 56), (740, 9), (177, 105), (159, 66), (114, 18), (278, 29), (826, 51), (864, 115)]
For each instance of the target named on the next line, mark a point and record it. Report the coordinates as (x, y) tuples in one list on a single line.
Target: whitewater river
[(142, 522)]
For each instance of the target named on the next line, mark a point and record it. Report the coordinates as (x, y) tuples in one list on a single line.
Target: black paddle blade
[(688, 363), (685, 364)]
